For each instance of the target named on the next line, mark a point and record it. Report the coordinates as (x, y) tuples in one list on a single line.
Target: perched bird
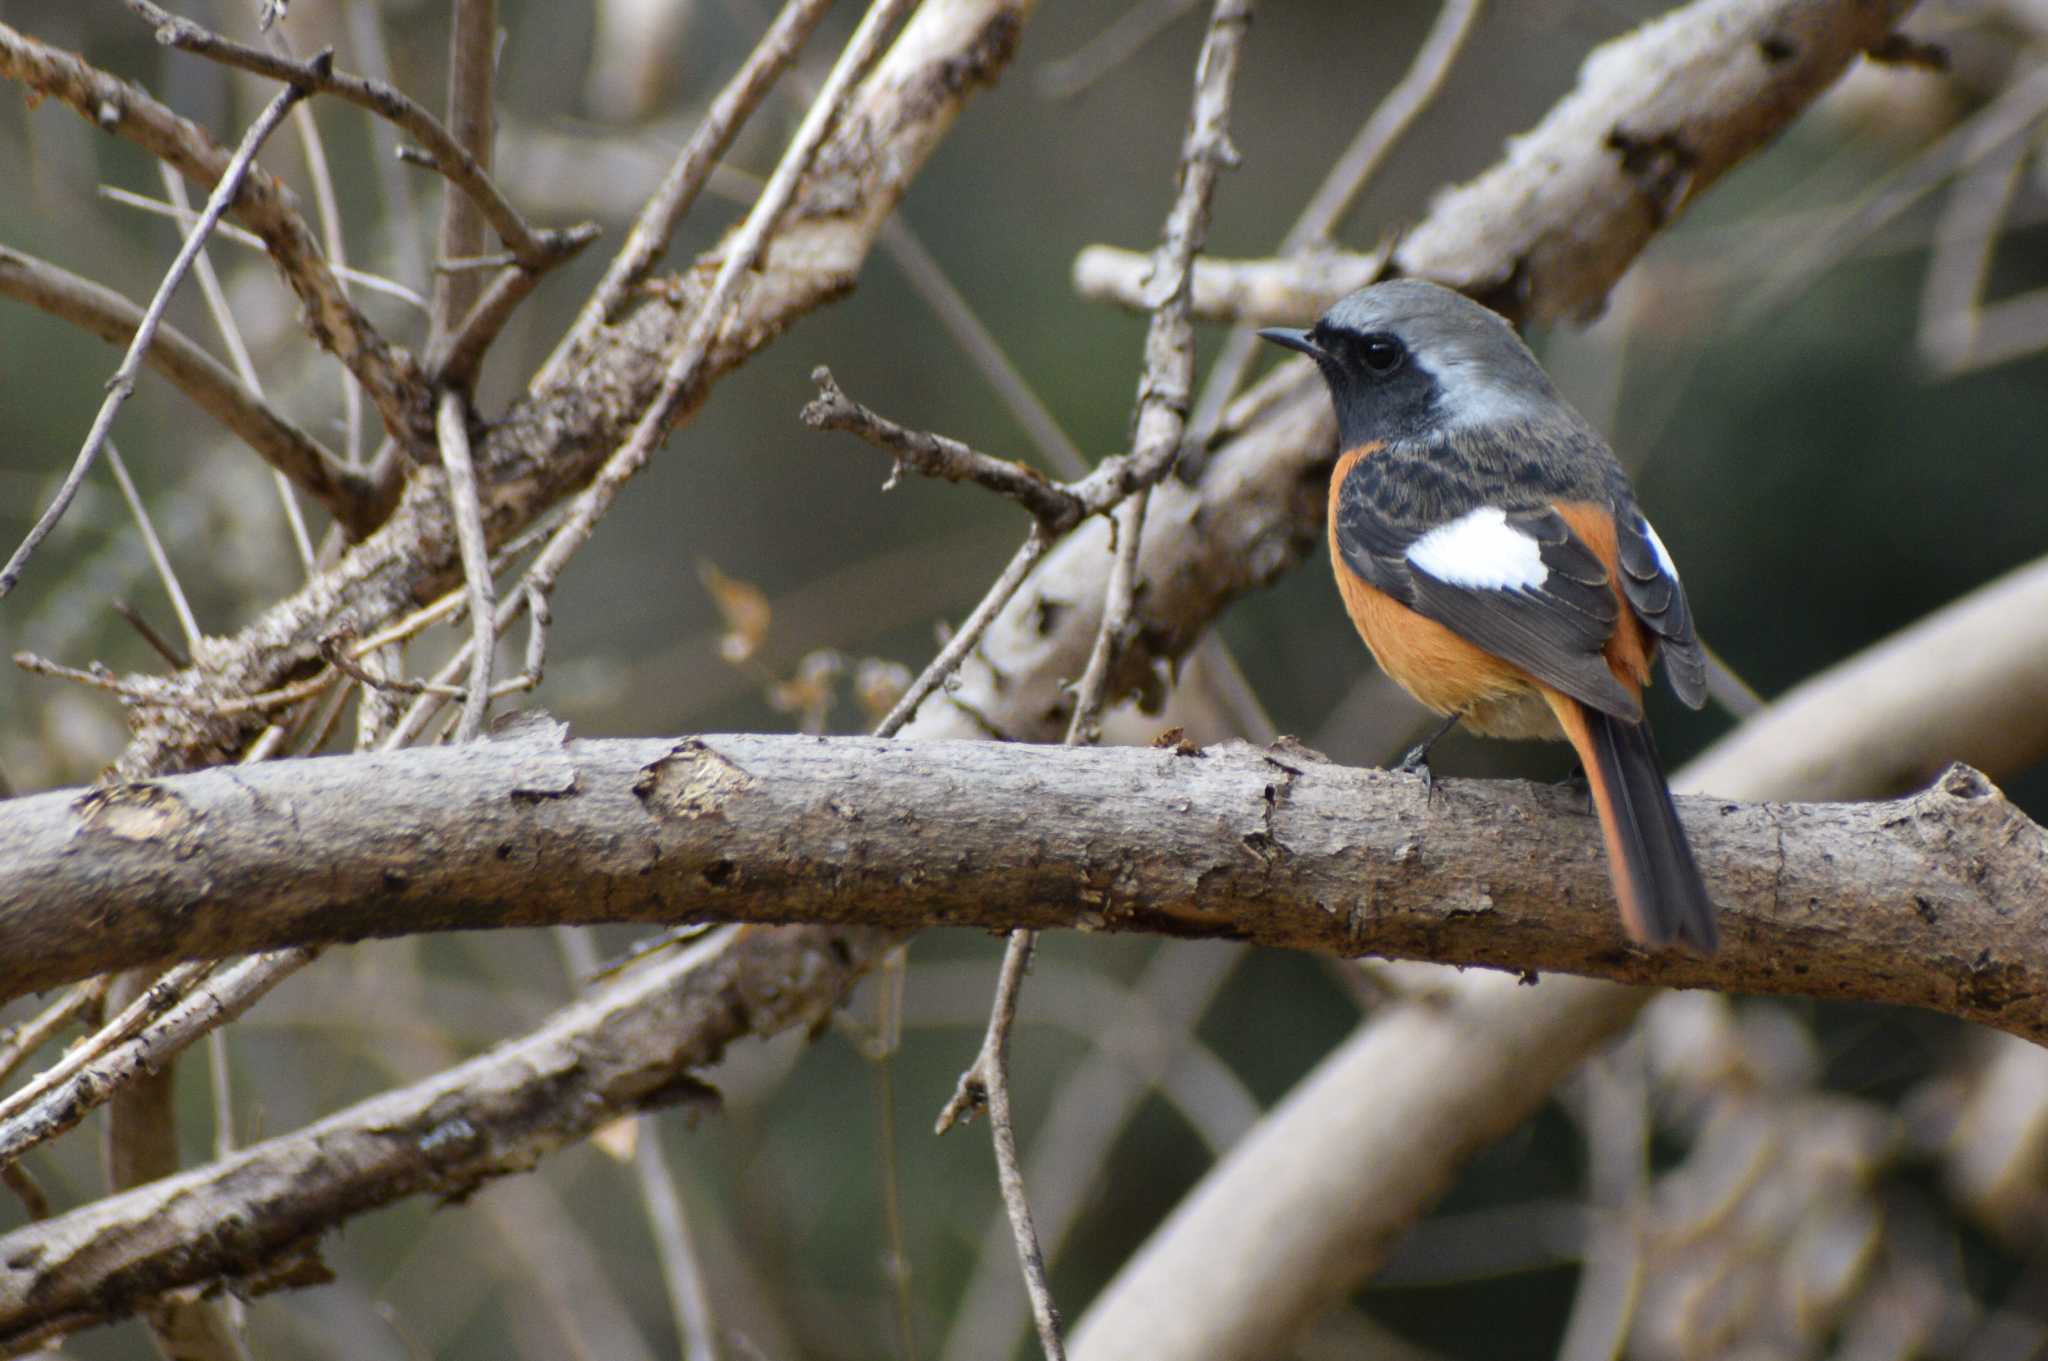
[(1489, 548)]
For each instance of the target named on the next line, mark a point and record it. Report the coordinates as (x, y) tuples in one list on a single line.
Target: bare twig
[(1360, 161), (245, 367), (657, 222), (442, 149), (141, 692), (684, 368), (881, 1051), (456, 357), (162, 646), (688, 1299), (1109, 49), (344, 493), (969, 634), (1259, 292), (17, 1043), (987, 1083), (1054, 507), (452, 422), (928, 280), (16, 1179), (1085, 728), (1148, 1047), (1340, 188), (123, 381), (160, 559), (178, 1009), (387, 373), (472, 123), (242, 236)]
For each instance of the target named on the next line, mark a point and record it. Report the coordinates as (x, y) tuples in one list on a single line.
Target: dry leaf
[(744, 608)]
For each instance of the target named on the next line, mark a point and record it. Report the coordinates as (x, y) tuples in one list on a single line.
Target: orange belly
[(1452, 676)]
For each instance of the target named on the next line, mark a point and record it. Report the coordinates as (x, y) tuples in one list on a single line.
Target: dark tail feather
[(1659, 886)]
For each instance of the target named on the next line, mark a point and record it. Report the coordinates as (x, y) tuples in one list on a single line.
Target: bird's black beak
[(1292, 339)]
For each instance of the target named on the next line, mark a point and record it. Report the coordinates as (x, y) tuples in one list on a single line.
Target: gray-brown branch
[(387, 372), (254, 1220), (344, 492), (1936, 900), (556, 438)]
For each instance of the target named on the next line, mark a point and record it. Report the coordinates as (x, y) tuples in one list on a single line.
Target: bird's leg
[(1416, 762)]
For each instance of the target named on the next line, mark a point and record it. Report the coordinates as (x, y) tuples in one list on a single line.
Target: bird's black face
[(1380, 390)]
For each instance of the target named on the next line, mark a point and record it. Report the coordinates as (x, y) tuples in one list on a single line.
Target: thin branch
[(242, 236), (1147, 1047), (1360, 161), (1341, 186), (442, 150), (928, 280), (334, 237), (454, 359), (123, 381), (245, 367), (340, 490), (162, 646), (472, 123), (969, 634), (18, 1043), (987, 1082), (143, 692), (388, 374), (1112, 47), (1054, 507), (158, 558), (671, 201), (683, 369), (1261, 292), (1166, 385), (680, 1271), (476, 561), (33, 1200), (1086, 725)]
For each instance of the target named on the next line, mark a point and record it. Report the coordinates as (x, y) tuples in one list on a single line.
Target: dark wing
[(1650, 582), (1517, 583)]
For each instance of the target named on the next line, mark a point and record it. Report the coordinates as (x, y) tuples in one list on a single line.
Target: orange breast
[(1449, 674), (1430, 662)]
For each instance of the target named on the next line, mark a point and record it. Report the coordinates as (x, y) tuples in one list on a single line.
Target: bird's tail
[(1648, 858)]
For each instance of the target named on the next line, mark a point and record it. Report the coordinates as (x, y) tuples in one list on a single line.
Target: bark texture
[(1938, 900)]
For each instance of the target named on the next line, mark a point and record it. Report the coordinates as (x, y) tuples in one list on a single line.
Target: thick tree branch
[(255, 1219), (1935, 900), (554, 441), (1659, 114)]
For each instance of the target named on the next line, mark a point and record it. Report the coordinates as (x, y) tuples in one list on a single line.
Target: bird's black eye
[(1381, 354)]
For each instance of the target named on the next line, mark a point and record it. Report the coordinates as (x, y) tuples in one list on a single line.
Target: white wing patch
[(1479, 552), (1664, 563)]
